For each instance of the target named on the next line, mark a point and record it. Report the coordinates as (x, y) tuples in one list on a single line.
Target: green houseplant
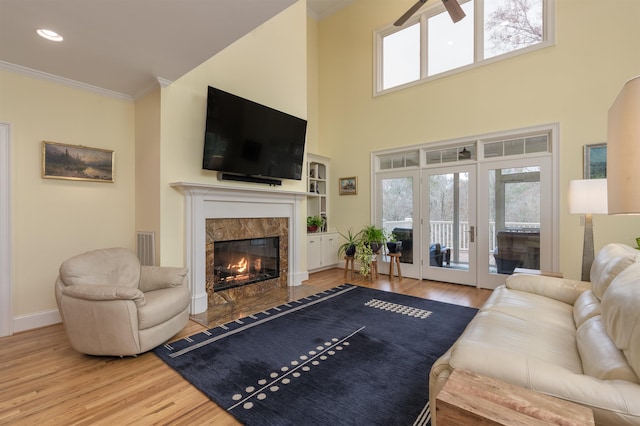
[(364, 254), (313, 223), (348, 248), (373, 236)]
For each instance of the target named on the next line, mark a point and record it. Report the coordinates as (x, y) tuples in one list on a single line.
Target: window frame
[(548, 30)]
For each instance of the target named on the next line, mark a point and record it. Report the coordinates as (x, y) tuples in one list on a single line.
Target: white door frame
[(6, 320), (459, 276)]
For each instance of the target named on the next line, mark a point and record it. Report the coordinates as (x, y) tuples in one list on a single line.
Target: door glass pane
[(397, 213), (449, 221), (514, 219)]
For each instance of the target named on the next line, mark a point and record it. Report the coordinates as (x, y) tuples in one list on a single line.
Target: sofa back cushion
[(600, 356), (586, 306), (113, 266), (611, 260), (621, 314)]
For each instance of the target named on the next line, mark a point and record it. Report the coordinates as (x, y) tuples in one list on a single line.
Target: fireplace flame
[(239, 267)]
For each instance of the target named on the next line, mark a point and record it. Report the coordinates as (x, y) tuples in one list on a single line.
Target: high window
[(430, 45)]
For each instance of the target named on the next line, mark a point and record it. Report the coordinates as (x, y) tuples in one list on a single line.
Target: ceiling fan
[(452, 6)]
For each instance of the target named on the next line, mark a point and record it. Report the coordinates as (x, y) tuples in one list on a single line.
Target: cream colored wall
[(269, 66), (312, 87), (56, 219), (147, 166), (572, 83)]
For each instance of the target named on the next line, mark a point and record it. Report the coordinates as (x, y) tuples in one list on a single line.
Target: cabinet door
[(330, 243), (314, 250)]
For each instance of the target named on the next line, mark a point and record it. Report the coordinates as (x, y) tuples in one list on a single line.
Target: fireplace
[(206, 203), (241, 262), (245, 257)]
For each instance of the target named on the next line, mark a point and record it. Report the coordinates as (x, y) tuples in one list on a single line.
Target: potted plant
[(348, 248), (313, 223), (364, 254), (393, 245), (373, 236)]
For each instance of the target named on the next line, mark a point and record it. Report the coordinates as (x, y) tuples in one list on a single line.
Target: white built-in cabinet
[(322, 250), (322, 246), (317, 187)]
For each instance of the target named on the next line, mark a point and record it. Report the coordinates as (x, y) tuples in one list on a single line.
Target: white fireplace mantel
[(204, 202)]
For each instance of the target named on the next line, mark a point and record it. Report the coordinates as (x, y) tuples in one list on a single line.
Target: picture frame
[(77, 162), (348, 185), (595, 161)]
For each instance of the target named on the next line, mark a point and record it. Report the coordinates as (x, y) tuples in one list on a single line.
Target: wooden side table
[(348, 267), (374, 268), (470, 398), (395, 259)]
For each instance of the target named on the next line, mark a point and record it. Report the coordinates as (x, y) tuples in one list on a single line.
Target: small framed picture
[(76, 162), (348, 185), (595, 161)]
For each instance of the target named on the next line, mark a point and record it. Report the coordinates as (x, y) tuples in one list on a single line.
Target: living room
[(326, 73), (324, 69)]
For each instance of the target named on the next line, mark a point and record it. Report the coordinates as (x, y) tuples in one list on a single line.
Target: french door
[(398, 206), (472, 211), (449, 224)]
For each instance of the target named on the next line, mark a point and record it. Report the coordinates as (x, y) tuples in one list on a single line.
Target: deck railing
[(442, 231)]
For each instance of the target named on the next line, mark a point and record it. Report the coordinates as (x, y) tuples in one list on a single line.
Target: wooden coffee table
[(468, 398)]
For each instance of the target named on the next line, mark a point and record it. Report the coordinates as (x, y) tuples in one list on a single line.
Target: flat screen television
[(246, 138)]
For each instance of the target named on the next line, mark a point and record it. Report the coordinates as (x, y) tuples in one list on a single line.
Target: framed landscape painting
[(349, 185), (595, 161), (76, 162)]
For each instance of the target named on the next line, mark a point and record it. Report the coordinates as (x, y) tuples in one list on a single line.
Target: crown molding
[(19, 69)]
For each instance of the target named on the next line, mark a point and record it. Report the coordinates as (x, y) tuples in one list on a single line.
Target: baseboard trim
[(297, 278), (37, 320)]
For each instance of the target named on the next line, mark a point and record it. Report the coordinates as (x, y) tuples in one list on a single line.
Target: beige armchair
[(111, 305)]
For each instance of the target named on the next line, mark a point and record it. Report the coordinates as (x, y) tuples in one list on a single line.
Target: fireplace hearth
[(247, 261)]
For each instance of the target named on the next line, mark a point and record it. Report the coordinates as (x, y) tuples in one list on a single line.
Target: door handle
[(472, 234)]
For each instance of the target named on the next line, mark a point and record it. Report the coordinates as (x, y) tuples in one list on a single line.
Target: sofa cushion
[(532, 309), (586, 306), (515, 330), (610, 261), (113, 266), (600, 356), (621, 314)]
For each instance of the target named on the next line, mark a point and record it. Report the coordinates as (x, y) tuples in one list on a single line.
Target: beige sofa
[(573, 340), (111, 305)]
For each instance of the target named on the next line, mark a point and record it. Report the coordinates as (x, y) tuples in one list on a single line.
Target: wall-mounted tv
[(246, 138)]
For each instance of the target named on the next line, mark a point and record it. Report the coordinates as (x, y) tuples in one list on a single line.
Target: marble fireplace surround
[(203, 201)]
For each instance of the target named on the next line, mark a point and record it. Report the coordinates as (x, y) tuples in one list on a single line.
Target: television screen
[(247, 138)]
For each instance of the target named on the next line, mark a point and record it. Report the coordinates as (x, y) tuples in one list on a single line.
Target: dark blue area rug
[(347, 356)]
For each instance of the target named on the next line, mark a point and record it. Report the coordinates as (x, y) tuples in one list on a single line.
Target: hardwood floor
[(43, 381)]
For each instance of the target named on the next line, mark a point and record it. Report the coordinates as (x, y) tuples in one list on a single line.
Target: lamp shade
[(588, 196), (623, 150)]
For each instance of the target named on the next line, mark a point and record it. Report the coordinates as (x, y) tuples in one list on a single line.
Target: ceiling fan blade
[(409, 13), (455, 11)]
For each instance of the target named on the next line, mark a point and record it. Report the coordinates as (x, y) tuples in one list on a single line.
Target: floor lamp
[(623, 150), (587, 197)]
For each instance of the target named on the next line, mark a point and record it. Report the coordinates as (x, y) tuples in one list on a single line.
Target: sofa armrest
[(104, 293), (561, 289), (159, 277)]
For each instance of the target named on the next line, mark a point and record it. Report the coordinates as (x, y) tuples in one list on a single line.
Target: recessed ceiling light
[(49, 35)]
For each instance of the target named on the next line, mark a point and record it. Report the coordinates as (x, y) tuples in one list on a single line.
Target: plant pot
[(312, 228), (350, 251), (375, 247), (394, 246)]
